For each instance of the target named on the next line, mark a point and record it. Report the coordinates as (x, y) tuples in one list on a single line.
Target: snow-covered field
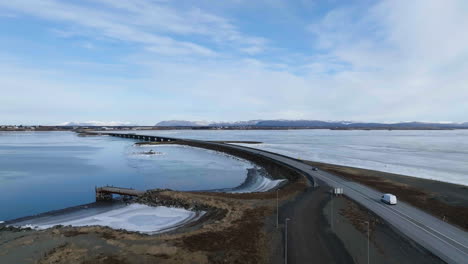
[(134, 217)]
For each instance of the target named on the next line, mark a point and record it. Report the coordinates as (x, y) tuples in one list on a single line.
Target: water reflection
[(43, 171)]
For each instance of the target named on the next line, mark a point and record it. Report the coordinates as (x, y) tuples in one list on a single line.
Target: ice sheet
[(257, 180), (430, 154), (134, 217), (261, 184)]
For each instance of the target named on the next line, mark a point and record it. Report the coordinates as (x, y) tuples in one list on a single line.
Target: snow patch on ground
[(134, 217), (262, 184), (257, 181)]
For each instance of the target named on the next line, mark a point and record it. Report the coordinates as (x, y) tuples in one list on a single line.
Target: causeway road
[(444, 240)]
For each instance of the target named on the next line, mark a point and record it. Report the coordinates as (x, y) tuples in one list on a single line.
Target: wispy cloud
[(160, 27)]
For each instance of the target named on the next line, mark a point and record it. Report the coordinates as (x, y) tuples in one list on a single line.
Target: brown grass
[(241, 243)]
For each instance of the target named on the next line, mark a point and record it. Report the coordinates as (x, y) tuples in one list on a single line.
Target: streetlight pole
[(277, 209), (331, 212), (286, 241), (368, 238)]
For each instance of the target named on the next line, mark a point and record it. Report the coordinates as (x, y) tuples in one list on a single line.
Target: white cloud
[(409, 56), (161, 28), (393, 61)]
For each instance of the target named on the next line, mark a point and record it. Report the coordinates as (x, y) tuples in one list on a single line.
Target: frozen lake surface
[(134, 217), (431, 154)]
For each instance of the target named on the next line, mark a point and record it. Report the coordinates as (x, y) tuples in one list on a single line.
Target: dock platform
[(105, 193)]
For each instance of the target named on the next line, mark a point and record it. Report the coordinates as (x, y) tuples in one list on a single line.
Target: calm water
[(45, 171), (440, 155)]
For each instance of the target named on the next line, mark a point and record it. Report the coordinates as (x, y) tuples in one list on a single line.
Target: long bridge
[(141, 137)]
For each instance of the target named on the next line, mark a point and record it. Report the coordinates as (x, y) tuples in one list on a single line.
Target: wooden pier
[(105, 193)]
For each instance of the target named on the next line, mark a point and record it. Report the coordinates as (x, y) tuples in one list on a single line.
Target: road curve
[(442, 239)]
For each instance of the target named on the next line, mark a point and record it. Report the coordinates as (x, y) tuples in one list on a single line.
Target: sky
[(144, 61)]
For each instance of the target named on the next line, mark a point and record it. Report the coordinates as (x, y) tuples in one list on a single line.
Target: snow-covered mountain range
[(311, 123)]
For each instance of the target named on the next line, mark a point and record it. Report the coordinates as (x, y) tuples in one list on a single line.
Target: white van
[(389, 198)]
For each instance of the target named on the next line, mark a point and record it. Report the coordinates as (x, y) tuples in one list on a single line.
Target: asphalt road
[(442, 239)]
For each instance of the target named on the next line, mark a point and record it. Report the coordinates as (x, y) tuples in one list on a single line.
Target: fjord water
[(43, 171), (431, 154)]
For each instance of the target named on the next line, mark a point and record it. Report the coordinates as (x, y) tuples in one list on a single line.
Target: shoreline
[(238, 227), (235, 218), (447, 201), (253, 175)]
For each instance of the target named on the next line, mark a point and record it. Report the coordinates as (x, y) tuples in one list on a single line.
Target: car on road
[(314, 169), (389, 198)]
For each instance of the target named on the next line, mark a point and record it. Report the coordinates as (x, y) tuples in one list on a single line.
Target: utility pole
[(331, 211), (277, 209), (286, 241)]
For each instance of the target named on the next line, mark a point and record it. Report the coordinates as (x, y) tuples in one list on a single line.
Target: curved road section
[(442, 239)]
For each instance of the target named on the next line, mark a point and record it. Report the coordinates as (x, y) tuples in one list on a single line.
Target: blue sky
[(143, 61)]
